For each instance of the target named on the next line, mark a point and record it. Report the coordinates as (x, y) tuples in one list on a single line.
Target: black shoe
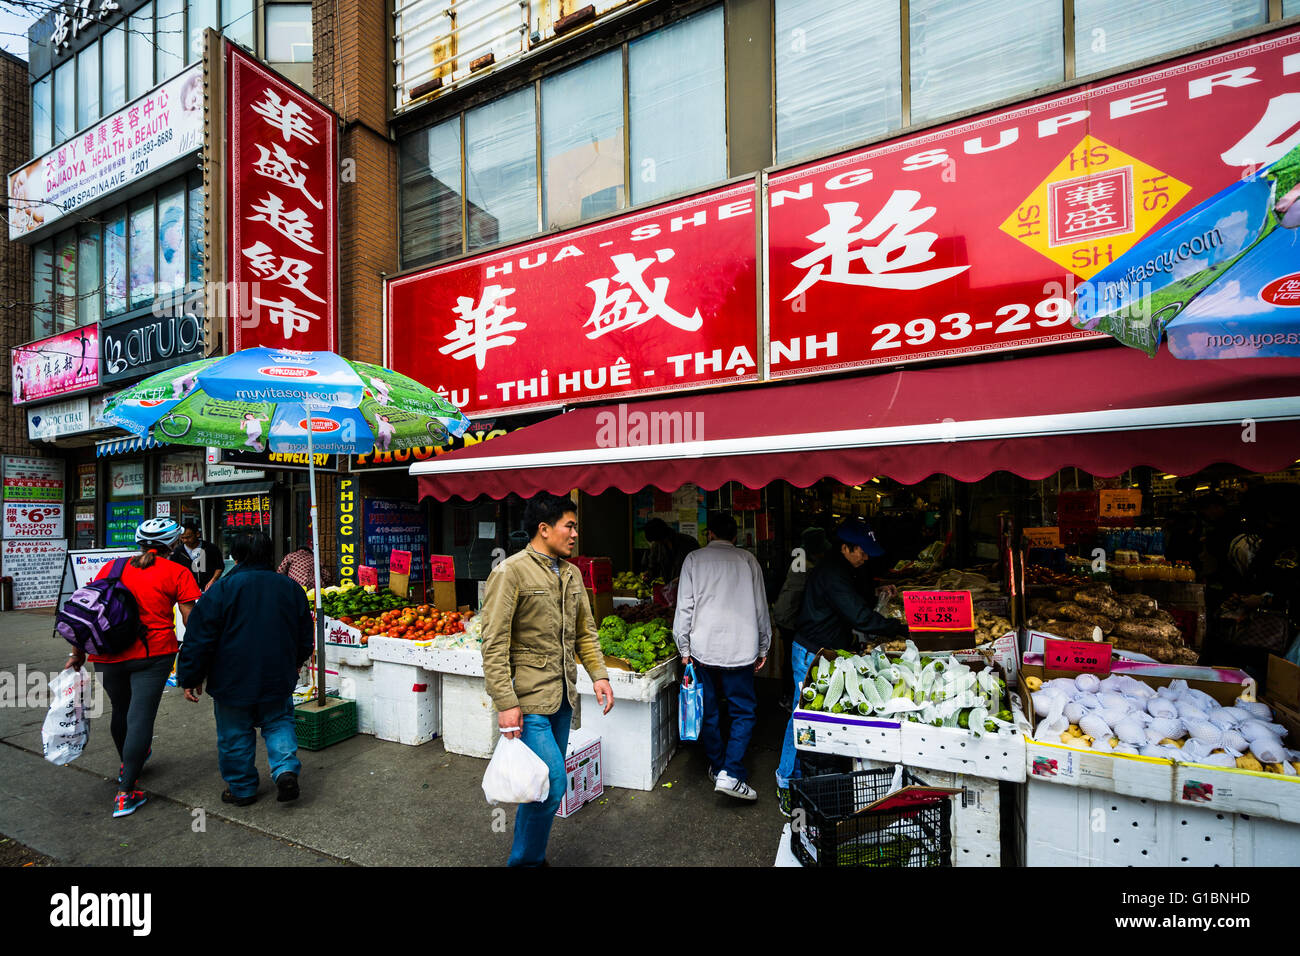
[(228, 797), (287, 785)]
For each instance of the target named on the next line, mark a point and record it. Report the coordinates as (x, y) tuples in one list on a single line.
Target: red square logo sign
[(1090, 207)]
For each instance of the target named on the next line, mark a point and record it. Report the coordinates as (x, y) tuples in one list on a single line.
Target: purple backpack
[(101, 618)]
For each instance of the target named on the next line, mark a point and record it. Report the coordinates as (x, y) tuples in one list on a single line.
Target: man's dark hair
[(546, 509), (191, 525), (723, 525), (656, 529), (251, 547)]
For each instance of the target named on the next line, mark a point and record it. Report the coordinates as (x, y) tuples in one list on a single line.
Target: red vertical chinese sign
[(282, 181)]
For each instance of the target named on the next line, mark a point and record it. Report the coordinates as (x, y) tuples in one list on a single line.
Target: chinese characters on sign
[(76, 16), (63, 363), (283, 243), (249, 513), (36, 568), (623, 307)]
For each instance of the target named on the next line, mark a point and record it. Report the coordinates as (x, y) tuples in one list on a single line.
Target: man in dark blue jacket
[(833, 608), (247, 642)]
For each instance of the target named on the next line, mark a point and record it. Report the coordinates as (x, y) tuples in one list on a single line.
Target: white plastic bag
[(66, 728), (515, 774)]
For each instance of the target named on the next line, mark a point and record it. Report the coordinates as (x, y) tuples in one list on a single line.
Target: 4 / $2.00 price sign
[(1090, 657), (939, 610)]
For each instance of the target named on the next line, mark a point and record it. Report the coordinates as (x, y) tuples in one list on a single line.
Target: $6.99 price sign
[(939, 610)]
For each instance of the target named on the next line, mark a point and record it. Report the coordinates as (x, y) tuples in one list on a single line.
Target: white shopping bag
[(66, 728), (515, 774)]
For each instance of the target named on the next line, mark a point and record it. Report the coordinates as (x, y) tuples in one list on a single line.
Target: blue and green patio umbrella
[(262, 399)]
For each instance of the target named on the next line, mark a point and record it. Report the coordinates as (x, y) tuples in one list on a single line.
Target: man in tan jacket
[(537, 624)]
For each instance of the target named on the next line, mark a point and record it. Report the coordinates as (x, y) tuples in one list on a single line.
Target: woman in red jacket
[(135, 678)]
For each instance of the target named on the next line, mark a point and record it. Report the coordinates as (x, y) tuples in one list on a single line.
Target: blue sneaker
[(126, 804)]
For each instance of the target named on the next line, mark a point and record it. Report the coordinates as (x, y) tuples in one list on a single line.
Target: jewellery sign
[(282, 165), (649, 302), (972, 237), (158, 128), (63, 363)]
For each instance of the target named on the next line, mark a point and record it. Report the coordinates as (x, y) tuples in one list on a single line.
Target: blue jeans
[(735, 685), (788, 769), (237, 742), (546, 735)]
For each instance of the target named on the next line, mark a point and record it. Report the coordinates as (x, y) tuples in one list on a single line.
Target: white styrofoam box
[(469, 718), (339, 634), (1145, 777), (976, 814), (996, 756), (784, 855), (583, 775), (638, 738), (357, 683), (848, 735), (1080, 826), (629, 685), (352, 656), (1238, 791), (406, 703)]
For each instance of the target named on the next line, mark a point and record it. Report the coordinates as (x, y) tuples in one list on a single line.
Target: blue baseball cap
[(856, 532)]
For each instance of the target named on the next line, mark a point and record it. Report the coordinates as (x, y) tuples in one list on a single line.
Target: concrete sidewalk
[(364, 801)]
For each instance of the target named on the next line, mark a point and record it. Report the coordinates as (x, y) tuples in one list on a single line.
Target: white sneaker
[(734, 788)]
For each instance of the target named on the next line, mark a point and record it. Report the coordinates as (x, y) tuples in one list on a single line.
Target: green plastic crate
[(320, 728)]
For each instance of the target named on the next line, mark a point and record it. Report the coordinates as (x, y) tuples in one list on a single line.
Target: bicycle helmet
[(161, 531)]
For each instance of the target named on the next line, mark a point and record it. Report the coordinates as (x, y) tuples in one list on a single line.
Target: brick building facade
[(15, 261)]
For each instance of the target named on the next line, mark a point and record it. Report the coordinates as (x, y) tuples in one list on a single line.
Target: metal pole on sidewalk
[(315, 551)]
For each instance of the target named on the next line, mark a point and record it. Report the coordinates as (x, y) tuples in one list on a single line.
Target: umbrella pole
[(315, 552)]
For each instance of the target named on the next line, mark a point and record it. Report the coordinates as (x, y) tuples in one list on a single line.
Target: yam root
[(1139, 604), (1102, 603)]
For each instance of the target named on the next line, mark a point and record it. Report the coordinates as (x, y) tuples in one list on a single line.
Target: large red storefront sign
[(619, 308), (282, 250), (965, 239)]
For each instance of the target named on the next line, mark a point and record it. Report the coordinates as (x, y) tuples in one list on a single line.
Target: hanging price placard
[(1120, 503), (442, 568), (367, 575), (939, 610), (1042, 537)]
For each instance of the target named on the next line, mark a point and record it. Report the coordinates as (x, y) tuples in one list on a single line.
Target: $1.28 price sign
[(938, 610), (1090, 657)]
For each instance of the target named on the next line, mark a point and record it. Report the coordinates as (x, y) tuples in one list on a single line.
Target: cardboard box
[(583, 775), (597, 573), (602, 604)]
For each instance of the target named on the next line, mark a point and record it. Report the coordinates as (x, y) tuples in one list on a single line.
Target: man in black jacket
[(247, 643), (833, 608)]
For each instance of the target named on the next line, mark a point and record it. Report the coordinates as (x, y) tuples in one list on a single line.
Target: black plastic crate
[(826, 830)]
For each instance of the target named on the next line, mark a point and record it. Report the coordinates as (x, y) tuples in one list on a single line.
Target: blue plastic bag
[(690, 704)]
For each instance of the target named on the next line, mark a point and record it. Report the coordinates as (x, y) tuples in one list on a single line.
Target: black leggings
[(135, 689)]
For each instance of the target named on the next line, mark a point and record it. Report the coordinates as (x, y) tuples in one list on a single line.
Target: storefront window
[(431, 193), (88, 86), (41, 118), (838, 74), (114, 67), (201, 14), (582, 141), (65, 282), (1291, 8), (677, 107), (142, 252), (288, 33), (115, 269), (967, 54), (501, 169), (141, 49), (170, 32), (42, 290), (88, 280), (126, 479), (239, 22), (171, 241), (196, 233), (1110, 33), (65, 98)]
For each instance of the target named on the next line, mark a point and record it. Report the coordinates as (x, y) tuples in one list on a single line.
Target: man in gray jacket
[(722, 626)]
